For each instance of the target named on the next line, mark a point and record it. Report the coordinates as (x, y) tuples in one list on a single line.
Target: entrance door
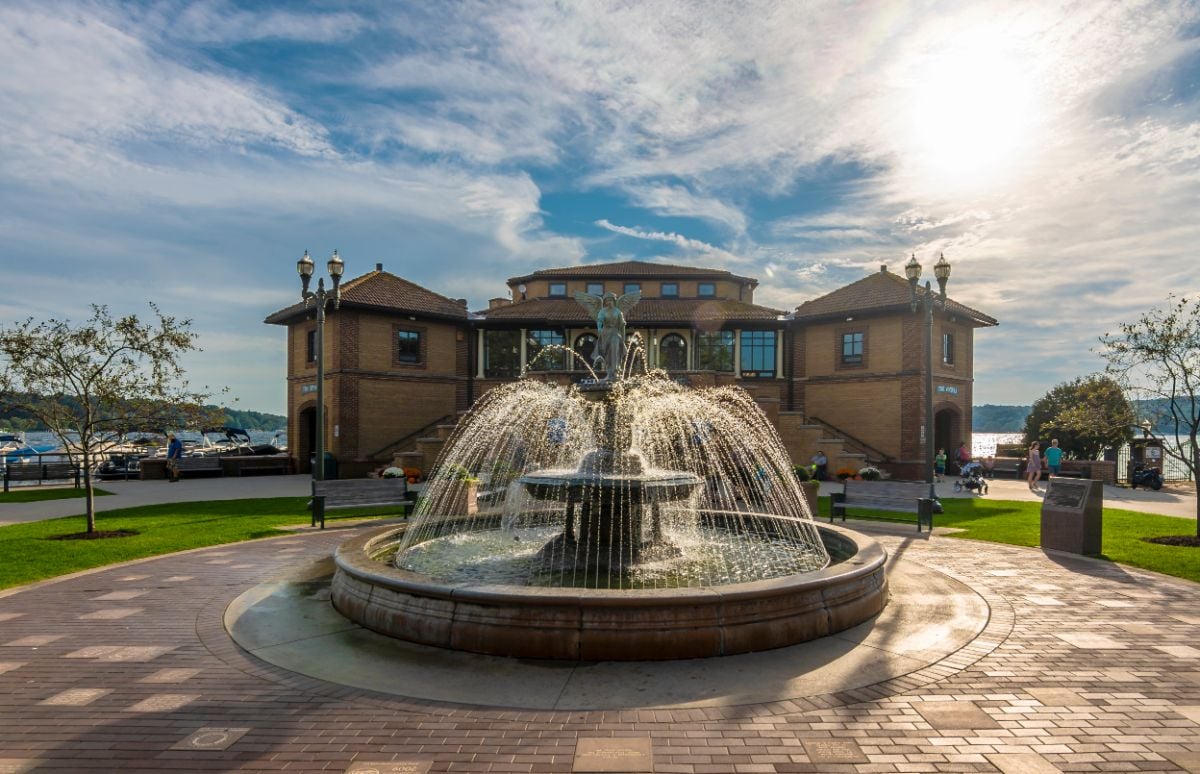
[(947, 433), (308, 440)]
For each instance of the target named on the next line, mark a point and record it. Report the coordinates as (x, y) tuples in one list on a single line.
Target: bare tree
[(99, 378), (1158, 357)]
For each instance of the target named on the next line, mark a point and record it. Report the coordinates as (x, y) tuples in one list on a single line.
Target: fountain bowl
[(583, 624)]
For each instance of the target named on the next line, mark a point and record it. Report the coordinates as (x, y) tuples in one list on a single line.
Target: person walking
[(1033, 466), (963, 455), (1054, 457), (174, 454)]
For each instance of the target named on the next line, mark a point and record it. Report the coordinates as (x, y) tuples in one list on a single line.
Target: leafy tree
[(1086, 415), (1158, 357), (99, 378)]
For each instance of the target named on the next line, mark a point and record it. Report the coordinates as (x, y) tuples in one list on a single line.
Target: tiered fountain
[(619, 519)]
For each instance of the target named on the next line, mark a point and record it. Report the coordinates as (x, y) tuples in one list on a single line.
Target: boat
[(14, 449)]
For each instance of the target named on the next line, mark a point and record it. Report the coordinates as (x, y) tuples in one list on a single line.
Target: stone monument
[(1072, 515)]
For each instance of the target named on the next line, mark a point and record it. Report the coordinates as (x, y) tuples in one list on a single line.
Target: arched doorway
[(672, 352), (306, 444), (948, 432)]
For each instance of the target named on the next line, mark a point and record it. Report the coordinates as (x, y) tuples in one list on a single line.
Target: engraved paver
[(1179, 651), (1191, 712), (1022, 763), (92, 651), (211, 739), (111, 614), (833, 751), (1115, 603), (10, 616), (1057, 697), (76, 697), (1194, 620), (1141, 629), (134, 577), (34, 641), (8, 666), (16, 765), (135, 653), (1191, 676), (1186, 760), (1089, 640), (163, 702), (1044, 601), (179, 578), (390, 767), (177, 675), (613, 755), (944, 715), (120, 596), (220, 561)]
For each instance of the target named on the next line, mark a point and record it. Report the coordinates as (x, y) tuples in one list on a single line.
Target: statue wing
[(589, 302), (628, 301)]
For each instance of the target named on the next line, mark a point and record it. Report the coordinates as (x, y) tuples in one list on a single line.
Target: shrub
[(803, 472), (870, 473), (394, 472)]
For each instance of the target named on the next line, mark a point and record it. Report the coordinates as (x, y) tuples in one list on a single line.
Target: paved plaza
[(1077, 665)]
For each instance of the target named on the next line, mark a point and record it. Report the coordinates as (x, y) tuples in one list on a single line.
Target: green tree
[(1157, 357), (99, 378), (1086, 415)]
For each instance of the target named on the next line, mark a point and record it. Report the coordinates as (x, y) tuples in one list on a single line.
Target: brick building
[(843, 371)]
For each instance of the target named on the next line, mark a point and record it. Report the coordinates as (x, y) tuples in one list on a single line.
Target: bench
[(198, 465), (243, 464), (358, 493), (901, 496), (41, 472)]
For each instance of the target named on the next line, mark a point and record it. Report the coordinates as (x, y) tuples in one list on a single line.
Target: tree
[(1086, 415), (1158, 357), (98, 379)]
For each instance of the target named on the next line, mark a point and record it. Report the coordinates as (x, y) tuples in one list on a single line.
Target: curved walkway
[(1083, 666)]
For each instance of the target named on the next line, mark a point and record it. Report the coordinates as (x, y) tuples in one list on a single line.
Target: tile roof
[(652, 310), (631, 269), (383, 290), (879, 291)]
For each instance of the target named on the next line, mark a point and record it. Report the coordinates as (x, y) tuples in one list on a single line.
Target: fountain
[(624, 518)]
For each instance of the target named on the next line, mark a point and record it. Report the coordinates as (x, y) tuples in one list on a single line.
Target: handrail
[(866, 447), (413, 435)]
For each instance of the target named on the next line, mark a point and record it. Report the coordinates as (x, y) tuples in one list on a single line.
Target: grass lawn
[(39, 494), (1019, 523), (27, 552)]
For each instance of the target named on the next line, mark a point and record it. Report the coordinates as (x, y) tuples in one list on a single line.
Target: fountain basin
[(611, 625)]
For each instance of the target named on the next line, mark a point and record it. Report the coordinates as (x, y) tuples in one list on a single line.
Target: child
[(939, 465)]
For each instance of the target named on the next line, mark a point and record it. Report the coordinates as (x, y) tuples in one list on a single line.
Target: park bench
[(900, 496), (243, 464), (41, 472), (358, 493), (198, 465)]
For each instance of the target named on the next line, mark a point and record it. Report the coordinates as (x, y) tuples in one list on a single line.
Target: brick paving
[(129, 669)]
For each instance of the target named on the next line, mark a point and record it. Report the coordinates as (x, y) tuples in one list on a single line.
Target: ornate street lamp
[(322, 296), (927, 300)]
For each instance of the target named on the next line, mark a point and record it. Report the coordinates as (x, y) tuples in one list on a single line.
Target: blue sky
[(188, 153)]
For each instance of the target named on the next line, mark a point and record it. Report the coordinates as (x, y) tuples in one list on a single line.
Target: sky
[(187, 153)]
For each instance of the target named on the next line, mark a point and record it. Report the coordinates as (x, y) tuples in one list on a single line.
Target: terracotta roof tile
[(653, 310), (876, 292), (631, 269), (382, 290)]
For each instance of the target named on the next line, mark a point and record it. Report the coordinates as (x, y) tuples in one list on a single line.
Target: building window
[(558, 289), (852, 348), (758, 354), (310, 346), (585, 347), (948, 348), (544, 350), (595, 288), (408, 346), (714, 351), (501, 353), (672, 352), (670, 290), (706, 290), (633, 287)]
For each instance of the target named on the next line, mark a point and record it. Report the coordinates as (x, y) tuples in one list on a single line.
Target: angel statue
[(609, 314)]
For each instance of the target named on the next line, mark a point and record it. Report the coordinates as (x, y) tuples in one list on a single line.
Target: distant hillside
[(990, 418), (248, 420)]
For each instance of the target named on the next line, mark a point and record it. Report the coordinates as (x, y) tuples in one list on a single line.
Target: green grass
[(27, 552), (1019, 524), (39, 494)]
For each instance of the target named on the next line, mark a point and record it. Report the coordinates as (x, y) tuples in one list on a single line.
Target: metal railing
[(873, 454)]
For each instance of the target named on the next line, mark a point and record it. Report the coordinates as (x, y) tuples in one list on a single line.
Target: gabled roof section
[(643, 269), (878, 292), (386, 292), (657, 311)]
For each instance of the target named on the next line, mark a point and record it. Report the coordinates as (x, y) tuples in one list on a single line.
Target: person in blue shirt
[(174, 454), (1054, 457)]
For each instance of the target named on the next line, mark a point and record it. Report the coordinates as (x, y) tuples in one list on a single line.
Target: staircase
[(422, 449), (802, 438)]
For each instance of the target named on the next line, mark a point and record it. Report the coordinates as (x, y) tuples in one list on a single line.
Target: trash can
[(331, 468)]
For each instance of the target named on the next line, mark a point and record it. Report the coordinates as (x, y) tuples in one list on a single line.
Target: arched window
[(672, 352), (585, 347)]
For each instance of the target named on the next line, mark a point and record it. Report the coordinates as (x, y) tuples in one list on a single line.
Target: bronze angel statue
[(609, 313)]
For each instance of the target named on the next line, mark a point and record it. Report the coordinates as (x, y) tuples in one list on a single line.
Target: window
[(948, 348), (758, 354), (310, 347), (670, 290), (544, 350), (595, 288), (408, 346), (501, 353), (714, 351), (558, 289), (706, 290), (632, 287), (672, 352), (852, 348), (585, 347)]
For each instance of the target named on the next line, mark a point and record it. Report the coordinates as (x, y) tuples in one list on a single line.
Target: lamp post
[(320, 298), (928, 300)]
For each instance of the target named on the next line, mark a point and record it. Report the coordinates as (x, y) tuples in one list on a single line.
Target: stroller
[(971, 479)]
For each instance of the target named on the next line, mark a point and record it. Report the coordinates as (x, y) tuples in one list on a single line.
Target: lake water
[(984, 444), (256, 436)]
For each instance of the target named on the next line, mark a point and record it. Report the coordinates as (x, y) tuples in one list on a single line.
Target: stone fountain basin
[(611, 625), (640, 488)]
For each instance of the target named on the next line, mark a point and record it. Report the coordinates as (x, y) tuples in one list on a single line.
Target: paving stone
[(76, 697), (163, 702), (943, 715), (134, 577), (1036, 599), (1191, 676), (93, 651), (34, 641), (17, 765), (1141, 629), (1194, 620), (1191, 712), (1089, 640), (1022, 763), (135, 653), (1115, 603), (177, 675), (1057, 697), (121, 596), (1188, 761), (8, 666), (179, 578), (111, 614), (823, 750), (10, 616), (390, 767), (1179, 651), (211, 739), (613, 755)]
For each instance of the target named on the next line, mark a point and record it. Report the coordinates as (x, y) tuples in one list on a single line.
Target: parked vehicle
[(1146, 476)]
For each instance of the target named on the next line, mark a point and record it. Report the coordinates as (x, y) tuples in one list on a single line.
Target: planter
[(810, 489)]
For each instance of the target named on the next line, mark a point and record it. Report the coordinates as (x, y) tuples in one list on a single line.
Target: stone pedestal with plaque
[(1072, 515)]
